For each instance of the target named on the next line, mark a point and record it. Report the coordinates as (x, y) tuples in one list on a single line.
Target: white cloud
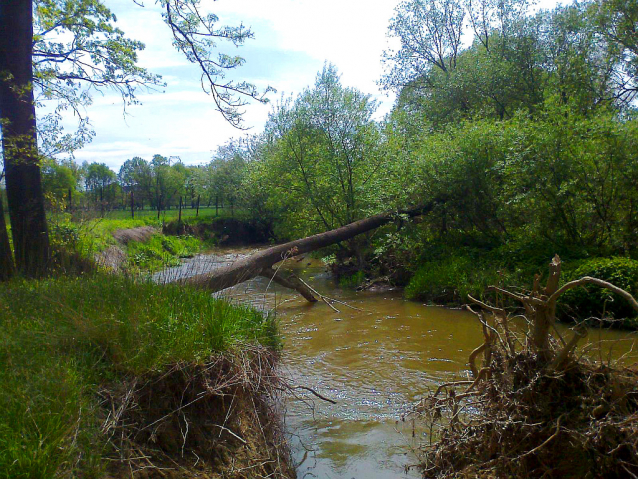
[(293, 39)]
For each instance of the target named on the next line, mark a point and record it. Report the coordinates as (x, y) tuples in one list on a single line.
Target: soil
[(224, 231), (208, 421), (139, 234), (112, 258)]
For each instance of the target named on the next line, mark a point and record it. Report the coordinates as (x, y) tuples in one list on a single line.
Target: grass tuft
[(63, 340)]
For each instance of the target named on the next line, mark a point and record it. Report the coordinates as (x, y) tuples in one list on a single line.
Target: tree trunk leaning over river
[(261, 264)]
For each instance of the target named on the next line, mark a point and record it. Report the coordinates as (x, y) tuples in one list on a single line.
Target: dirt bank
[(139, 234), (224, 231), (113, 257), (212, 420)]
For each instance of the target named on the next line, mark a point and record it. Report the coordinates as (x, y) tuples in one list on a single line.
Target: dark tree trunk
[(6, 257), (17, 110), (197, 211), (260, 264), (179, 215), (132, 204)]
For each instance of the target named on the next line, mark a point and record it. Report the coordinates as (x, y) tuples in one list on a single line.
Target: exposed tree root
[(535, 412), (209, 420)]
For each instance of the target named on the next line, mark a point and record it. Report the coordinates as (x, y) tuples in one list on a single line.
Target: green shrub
[(352, 281), (451, 279), (592, 301)]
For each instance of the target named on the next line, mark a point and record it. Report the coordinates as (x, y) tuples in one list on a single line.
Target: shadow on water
[(375, 363)]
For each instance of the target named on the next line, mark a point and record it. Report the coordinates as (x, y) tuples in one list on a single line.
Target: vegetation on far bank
[(521, 143), (67, 343), (82, 236)]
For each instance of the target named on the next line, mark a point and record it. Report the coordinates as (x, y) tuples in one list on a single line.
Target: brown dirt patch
[(211, 420), (111, 258), (141, 233)]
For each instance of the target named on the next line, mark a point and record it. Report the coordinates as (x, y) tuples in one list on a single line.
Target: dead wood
[(536, 412), (260, 264)]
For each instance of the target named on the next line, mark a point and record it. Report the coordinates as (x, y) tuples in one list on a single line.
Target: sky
[(293, 40)]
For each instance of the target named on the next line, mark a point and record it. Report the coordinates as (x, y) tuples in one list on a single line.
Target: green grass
[(449, 280), (86, 237), (172, 214), (64, 340), (161, 251), (352, 281)]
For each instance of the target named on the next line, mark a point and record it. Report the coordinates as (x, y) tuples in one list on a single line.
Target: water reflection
[(375, 363)]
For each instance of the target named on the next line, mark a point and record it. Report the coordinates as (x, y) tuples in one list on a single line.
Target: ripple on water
[(375, 363)]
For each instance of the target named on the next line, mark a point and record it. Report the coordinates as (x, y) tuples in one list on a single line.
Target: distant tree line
[(158, 184), (525, 135)]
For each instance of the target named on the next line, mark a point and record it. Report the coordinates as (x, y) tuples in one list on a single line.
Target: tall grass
[(161, 251), (62, 341), (450, 280)]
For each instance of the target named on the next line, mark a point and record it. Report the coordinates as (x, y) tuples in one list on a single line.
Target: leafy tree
[(135, 177), (495, 19), (98, 181), (322, 157), (616, 21), (97, 55), (59, 179), (515, 63), (430, 34), (77, 49)]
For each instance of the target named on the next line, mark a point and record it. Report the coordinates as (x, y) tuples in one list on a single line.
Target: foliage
[(450, 280), (197, 36), (58, 178), (77, 49), (321, 162), (98, 180), (352, 281), (160, 251), (430, 34), (593, 301), (63, 340), (616, 22), (515, 62), (563, 178)]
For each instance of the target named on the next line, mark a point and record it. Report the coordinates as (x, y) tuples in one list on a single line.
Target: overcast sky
[(293, 39)]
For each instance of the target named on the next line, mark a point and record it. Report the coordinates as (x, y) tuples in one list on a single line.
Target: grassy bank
[(448, 273), (74, 352), (76, 240)]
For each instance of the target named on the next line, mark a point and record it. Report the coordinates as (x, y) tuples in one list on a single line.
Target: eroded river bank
[(375, 362)]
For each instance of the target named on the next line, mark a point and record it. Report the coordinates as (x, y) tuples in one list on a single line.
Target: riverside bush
[(593, 301), (449, 280)]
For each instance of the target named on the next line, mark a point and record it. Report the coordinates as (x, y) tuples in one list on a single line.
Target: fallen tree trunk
[(261, 264)]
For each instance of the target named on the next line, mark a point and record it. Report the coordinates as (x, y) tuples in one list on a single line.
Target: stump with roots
[(532, 408)]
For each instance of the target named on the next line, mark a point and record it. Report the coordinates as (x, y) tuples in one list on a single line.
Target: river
[(374, 361)]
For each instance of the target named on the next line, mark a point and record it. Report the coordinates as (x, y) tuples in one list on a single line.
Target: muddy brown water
[(375, 362)]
